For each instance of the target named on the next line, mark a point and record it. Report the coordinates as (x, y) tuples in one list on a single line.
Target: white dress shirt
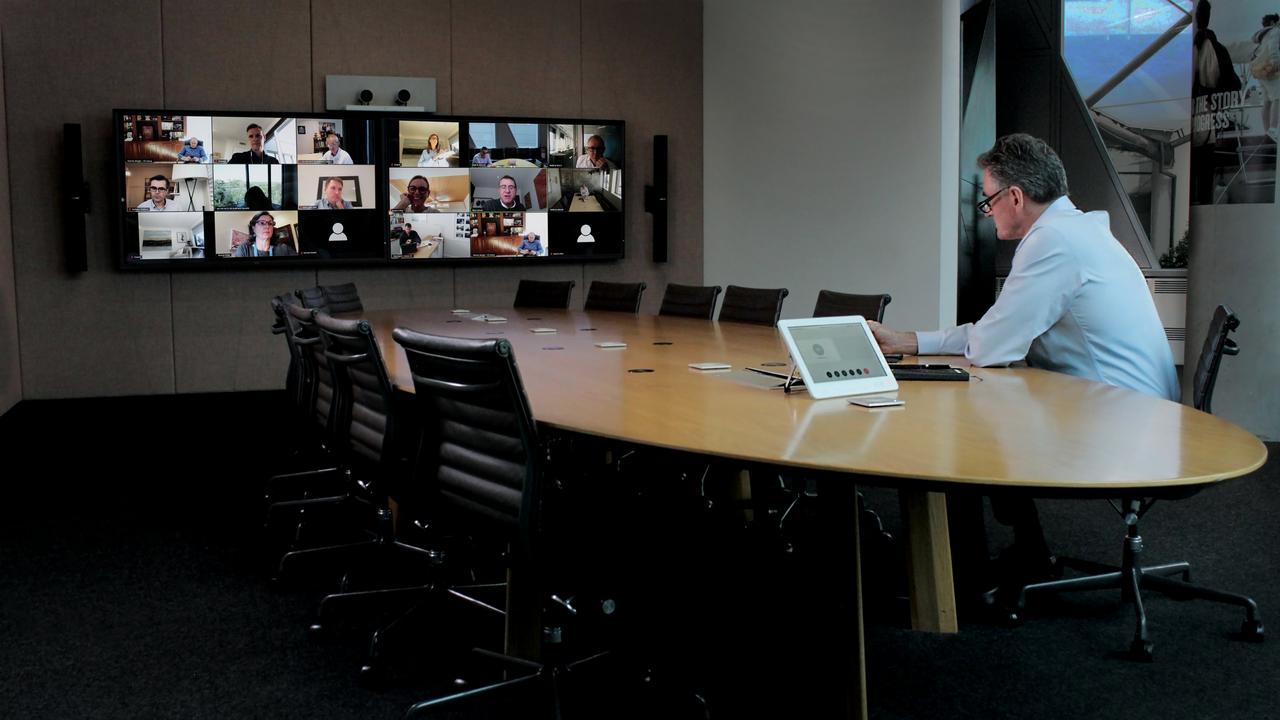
[(1074, 302), (339, 158)]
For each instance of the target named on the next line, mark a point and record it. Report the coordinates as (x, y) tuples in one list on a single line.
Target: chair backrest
[(312, 298), (363, 391), (758, 306), (1216, 344), (543, 293), (696, 301), (307, 337), (296, 383), (619, 297), (832, 304), (479, 440), (342, 298)]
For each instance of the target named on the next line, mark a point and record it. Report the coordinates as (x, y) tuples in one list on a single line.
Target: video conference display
[(231, 189)]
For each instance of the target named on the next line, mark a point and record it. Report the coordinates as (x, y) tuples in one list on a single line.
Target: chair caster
[(1252, 631), (374, 675), (1141, 650)]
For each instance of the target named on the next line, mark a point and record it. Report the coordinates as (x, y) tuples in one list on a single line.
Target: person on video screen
[(332, 199), (255, 155), (255, 198), (434, 155), (409, 239), (336, 155), (530, 245), (508, 196), (482, 158), (262, 230), (158, 196), (595, 159), (192, 152), (414, 198)]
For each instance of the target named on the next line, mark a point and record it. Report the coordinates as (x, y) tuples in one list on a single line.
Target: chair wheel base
[(1252, 631)]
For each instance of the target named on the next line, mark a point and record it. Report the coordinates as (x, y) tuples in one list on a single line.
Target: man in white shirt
[(336, 155), (594, 158), (1074, 302), (158, 196)]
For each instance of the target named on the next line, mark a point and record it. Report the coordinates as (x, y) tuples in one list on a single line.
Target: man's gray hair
[(1028, 162)]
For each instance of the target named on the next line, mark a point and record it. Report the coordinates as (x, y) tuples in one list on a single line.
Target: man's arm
[(1044, 278)]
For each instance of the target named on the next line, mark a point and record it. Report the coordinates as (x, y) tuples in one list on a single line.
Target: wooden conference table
[(1009, 427)]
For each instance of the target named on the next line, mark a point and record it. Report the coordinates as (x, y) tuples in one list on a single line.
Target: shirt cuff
[(928, 342)]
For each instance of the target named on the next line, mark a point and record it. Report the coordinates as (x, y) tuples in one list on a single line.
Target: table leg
[(839, 513), (931, 587)]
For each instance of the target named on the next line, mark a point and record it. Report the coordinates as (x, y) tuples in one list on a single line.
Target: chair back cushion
[(543, 293), (1216, 344), (696, 301), (758, 306), (618, 297), (364, 395), (479, 441), (342, 298), (312, 297), (834, 304)]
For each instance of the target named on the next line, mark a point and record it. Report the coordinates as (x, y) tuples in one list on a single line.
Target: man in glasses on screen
[(332, 199), (1075, 302), (595, 159), (508, 197), (255, 155), (415, 196), (158, 196)]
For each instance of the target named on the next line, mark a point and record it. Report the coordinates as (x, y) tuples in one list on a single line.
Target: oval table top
[(1016, 427)]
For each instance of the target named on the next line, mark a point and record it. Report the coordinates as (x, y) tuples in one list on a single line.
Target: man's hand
[(894, 341)]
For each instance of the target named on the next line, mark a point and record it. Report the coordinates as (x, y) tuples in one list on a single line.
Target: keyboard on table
[(928, 372)]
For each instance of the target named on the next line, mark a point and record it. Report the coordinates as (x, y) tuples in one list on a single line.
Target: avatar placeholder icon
[(586, 236), (338, 235)]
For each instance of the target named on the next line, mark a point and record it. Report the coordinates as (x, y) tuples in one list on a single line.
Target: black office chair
[(342, 298), (313, 298), (366, 435), (1130, 577), (695, 301), (832, 304), (543, 294), (324, 481), (616, 297), (332, 299), (757, 306), (482, 451)]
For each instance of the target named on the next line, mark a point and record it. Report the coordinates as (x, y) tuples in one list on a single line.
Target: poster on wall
[(1235, 93)]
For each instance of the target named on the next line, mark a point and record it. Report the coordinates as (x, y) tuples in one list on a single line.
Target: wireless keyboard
[(932, 372)]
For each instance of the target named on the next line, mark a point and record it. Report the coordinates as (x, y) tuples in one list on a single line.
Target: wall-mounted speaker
[(655, 198), (75, 202)]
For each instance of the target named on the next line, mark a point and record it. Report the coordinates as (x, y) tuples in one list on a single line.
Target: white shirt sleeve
[(1044, 278)]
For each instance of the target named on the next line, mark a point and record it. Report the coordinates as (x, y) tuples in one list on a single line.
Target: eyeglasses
[(984, 205), (267, 223), (594, 148), (153, 188)]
